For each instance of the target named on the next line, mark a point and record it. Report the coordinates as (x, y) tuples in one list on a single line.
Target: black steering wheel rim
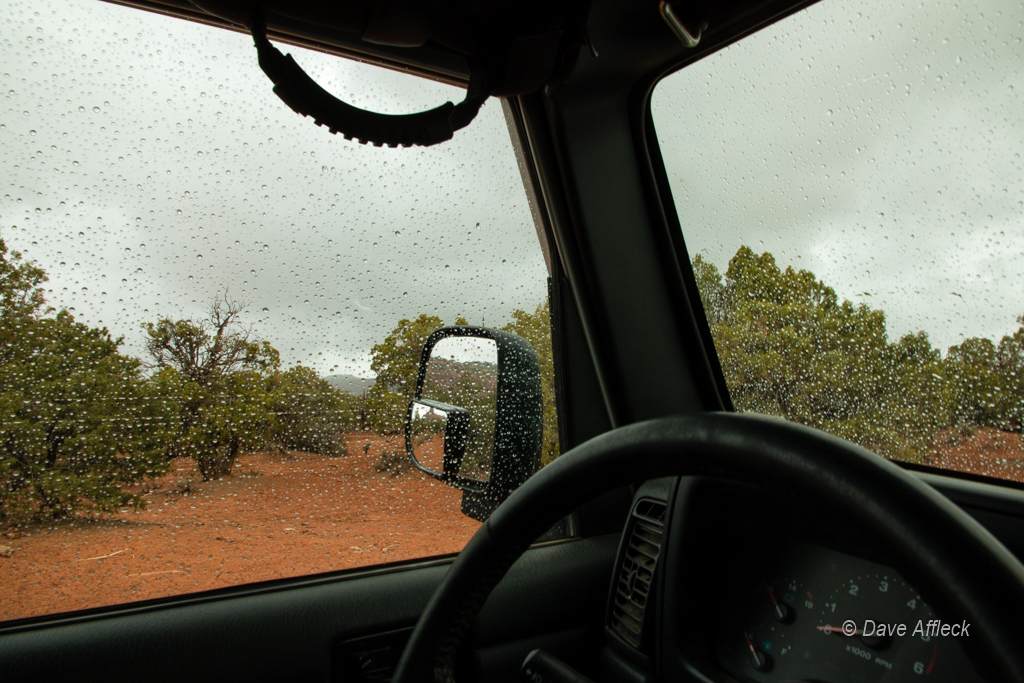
[(958, 566)]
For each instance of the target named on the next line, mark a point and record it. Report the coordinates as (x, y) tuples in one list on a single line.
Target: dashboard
[(754, 587)]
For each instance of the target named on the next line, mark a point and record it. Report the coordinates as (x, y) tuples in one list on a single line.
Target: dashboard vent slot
[(370, 659), (636, 576)]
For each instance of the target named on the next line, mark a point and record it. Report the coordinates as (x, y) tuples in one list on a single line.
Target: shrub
[(78, 421), (312, 415), (392, 462)]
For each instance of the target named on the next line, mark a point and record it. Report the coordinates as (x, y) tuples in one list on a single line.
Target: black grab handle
[(304, 96)]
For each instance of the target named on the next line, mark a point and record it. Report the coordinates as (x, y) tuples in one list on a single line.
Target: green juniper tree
[(536, 328), (987, 381), (78, 421), (311, 414), (395, 361), (789, 347)]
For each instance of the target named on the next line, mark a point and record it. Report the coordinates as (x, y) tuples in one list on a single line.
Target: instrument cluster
[(815, 614)]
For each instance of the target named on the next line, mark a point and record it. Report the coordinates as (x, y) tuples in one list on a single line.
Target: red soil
[(285, 515), (985, 451), (281, 515)]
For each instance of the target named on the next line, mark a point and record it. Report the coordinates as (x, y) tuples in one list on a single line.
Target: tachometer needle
[(837, 629)]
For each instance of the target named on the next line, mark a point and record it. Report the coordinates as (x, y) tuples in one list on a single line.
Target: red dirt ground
[(984, 451), (286, 515), (281, 515)]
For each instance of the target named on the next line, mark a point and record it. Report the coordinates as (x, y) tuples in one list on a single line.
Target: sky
[(466, 350), (149, 168), (876, 144)]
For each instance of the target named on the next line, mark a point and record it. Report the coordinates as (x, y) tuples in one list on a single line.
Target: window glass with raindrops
[(212, 310), (850, 187)]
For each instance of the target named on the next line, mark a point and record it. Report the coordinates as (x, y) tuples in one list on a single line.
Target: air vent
[(636, 577), (370, 659)]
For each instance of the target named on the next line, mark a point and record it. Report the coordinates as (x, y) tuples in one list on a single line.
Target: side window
[(212, 311), (849, 183)]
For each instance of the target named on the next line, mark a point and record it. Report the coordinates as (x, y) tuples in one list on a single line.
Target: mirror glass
[(463, 371), (428, 425)]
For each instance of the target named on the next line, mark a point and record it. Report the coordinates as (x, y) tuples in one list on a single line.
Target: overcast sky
[(148, 167), (876, 144)]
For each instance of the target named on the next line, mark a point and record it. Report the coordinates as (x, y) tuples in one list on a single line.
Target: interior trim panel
[(289, 634)]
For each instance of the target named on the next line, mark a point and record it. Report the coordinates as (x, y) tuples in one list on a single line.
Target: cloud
[(876, 145), (151, 169)]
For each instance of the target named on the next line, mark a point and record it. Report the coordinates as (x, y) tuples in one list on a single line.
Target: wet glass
[(849, 185), (212, 310)]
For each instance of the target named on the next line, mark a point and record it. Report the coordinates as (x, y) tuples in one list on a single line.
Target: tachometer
[(880, 625)]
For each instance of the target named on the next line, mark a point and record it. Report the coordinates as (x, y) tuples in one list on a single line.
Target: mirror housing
[(518, 421)]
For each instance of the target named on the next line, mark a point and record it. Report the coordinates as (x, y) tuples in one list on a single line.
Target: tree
[(311, 414), (987, 381), (1010, 359), (713, 293), (973, 370), (789, 347), (21, 297), (207, 349), (218, 378), (78, 421), (536, 328), (395, 361)]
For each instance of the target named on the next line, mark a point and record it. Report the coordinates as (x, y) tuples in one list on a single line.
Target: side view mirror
[(476, 419)]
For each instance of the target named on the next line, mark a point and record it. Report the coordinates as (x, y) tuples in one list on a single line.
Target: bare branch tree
[(206, 349)]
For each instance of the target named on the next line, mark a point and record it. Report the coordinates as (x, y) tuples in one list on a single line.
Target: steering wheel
[(956, 564)]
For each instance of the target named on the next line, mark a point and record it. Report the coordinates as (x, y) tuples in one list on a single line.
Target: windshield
[(212, 310), (850, 187)]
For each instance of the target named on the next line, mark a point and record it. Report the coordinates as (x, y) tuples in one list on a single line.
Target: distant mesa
[(449, 374), (350, 383)]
